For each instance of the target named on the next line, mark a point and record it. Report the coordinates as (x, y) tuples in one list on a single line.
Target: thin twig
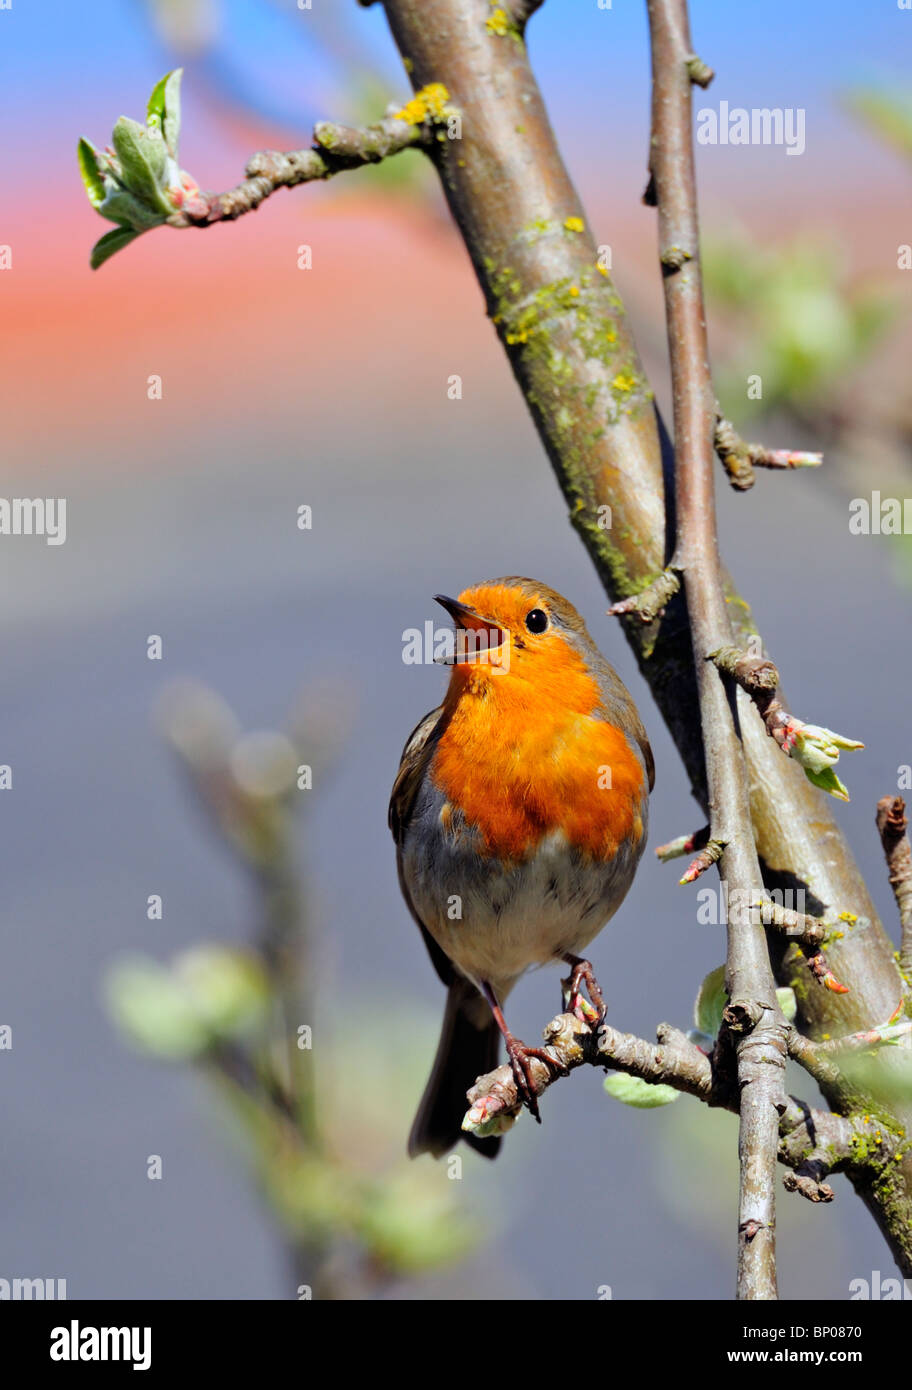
[(819, 967), (650, 602), (761, 1049), (892, 824), (335, 148), (740, 459), (755, 674), (710, 854), (815, 748), (684, 844), (700, 73), (862, 1041), (811, 930)]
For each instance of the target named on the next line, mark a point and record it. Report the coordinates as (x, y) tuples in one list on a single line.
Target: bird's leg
[(582, 973), (520, 1056)]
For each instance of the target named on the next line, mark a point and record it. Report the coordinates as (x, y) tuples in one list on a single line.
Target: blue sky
[(57, 55)]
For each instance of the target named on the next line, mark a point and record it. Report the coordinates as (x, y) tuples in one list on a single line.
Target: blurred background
[(328, 388)]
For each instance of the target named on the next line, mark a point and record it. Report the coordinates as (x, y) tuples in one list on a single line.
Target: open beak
[(469, 621), (462, 615)]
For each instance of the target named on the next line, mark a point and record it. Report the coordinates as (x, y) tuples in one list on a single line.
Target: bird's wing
[(419, 746), (617, 706), (416, 755), (640, 736)]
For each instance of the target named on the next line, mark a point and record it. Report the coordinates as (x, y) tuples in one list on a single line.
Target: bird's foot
[(520, 1057), (583, 974)]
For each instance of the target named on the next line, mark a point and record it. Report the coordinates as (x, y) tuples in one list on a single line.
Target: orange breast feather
[(521, 760)]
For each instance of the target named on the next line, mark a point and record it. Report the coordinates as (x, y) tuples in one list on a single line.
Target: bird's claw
[(520, 1056), (583, 974)]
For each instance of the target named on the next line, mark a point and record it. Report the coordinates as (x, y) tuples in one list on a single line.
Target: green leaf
[(111, 242), (633, 1090), (164, 108), (128, 211), (827, 781), (787, 1003), (710, 1002), (411, 1227), (155, 110), (889, 115), (228, 988), (153, 1011), (90, 169), (211, 992), (143, 159)]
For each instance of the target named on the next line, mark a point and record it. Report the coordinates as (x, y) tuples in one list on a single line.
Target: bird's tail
[(468, 1047)]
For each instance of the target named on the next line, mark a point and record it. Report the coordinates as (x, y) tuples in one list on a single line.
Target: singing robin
[(519, 814)]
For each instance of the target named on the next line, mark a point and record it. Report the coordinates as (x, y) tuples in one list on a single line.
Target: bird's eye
[(537, 620)]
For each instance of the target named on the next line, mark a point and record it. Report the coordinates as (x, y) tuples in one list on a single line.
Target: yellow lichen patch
[(429, 104), (602, 269), (574, 290), (498, 23), (574, 224), (849, 917), (624, 382)]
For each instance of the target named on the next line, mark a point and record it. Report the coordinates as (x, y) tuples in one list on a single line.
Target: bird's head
[(521, 633)]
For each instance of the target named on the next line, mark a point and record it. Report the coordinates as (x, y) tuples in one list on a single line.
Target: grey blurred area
[(208, 556)]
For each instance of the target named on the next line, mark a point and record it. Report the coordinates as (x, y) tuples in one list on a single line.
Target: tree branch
[(335, 148), (575, 362), (815, 1143), (684, 844), (521, 11), (650, 603), (892, 823), (673, 1061), (815, 748), (812, 1143), (761, 1047), (740, 459), (809, 930)]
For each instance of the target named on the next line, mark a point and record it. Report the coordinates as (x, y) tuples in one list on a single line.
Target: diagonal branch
[(521, 11), (740, 459), (817, 1057), (335, 148), (563, 328), (761, 1047), (892, 824)]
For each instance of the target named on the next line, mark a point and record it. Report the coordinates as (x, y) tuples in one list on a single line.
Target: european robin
[(519, 814)]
